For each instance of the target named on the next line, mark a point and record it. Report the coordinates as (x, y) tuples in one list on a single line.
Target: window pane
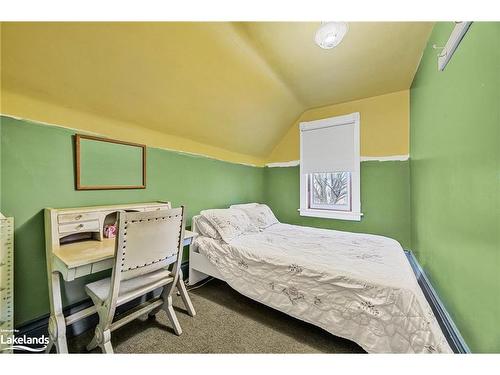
[(330, 190)]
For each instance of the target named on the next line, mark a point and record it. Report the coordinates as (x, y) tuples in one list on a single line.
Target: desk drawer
[(71, 218), (83, 270), (103, 265), (79, 227)]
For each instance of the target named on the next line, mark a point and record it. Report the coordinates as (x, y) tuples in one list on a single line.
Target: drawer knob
[(79, 226), (78, 217)]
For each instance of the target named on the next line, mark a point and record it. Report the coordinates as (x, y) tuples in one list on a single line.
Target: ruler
[(6, 282)]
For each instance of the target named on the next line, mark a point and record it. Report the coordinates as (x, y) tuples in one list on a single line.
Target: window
[(330, 191), (329, 168)]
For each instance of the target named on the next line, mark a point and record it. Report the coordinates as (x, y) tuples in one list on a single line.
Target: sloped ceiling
[(373, 59), (237, 86)]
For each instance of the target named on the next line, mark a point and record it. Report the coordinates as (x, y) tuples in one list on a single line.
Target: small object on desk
[(110, 231)]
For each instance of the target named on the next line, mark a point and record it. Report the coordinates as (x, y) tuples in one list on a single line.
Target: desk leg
[(57, 323), (181, 287)]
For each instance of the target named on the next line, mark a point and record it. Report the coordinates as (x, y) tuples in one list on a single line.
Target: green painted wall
[(125, 171), (37, 172), (455, 179), (385, 200)]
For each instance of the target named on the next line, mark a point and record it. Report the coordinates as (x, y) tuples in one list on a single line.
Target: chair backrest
[(148, 241)]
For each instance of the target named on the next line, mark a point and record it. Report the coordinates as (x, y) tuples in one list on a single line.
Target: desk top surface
[(92, 251), (114, 207)]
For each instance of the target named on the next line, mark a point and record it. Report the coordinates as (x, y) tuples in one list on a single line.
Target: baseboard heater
[(39, 326), (450, 330)]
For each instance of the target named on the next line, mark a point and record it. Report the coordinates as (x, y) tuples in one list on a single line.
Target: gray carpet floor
[(226, 322)]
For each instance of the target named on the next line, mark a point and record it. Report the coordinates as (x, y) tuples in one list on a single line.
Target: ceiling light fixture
[(330, 34)]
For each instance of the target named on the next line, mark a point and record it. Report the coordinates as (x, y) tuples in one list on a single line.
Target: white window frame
[(355, 213)]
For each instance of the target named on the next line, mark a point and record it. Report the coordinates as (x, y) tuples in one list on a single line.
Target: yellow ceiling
[(374, 58), (235, 86)]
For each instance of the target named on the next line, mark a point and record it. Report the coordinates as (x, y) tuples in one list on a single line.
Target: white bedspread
[(356, 286)]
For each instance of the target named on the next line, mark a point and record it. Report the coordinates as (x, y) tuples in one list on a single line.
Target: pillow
[(206, 229), (243, 205), (230, 223), (260, 216)]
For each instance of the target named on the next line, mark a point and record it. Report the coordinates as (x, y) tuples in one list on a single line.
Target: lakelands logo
[(23, 343)]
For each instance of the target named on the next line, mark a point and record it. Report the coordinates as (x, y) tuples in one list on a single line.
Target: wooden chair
[(147, 243)]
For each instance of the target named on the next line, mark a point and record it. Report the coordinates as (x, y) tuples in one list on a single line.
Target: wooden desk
[(82, 257)]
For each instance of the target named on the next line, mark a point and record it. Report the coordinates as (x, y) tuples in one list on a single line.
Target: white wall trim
[(386, 158), (188, 153), (452, 44), (327, 214), (295, 163), (291, 163)]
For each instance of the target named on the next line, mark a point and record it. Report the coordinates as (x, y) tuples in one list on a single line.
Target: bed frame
[(200, 267)]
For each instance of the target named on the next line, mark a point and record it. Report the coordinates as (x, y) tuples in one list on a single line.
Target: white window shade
[(328, 149), (330, 145)]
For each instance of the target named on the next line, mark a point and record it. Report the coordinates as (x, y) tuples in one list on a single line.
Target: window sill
[(325, 214)]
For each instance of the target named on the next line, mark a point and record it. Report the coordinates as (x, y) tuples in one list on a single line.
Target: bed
[(357, 286)]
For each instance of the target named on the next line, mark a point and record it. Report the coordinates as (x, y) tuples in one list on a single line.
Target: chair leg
[(107, 348), (169, 309), (166, 296), (49, 346), (185, 296), (61, 344), (92, 344), (105, 342), (102, 335)]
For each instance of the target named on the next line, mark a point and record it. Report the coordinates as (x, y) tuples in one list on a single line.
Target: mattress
[(357, 286)]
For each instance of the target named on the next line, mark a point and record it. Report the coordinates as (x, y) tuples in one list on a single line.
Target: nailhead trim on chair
[(162, 218), (125, 240)]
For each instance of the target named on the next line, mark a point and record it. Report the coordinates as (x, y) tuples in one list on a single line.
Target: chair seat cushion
[(129, 289)]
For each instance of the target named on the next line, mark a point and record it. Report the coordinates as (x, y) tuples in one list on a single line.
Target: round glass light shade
[(330, 34)]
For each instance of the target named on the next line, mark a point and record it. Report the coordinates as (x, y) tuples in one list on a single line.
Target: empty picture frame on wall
[(108, 164)]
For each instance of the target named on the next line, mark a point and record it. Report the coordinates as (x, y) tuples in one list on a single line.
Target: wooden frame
[(78, 184)]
